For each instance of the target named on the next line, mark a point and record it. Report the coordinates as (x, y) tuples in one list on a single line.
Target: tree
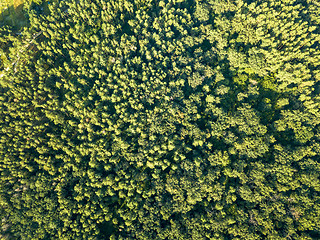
[(162, 119)]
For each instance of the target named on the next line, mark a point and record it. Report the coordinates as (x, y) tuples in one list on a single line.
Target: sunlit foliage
[(163, 119)]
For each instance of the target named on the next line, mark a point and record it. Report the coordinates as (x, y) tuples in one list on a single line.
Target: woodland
[(171, 119)]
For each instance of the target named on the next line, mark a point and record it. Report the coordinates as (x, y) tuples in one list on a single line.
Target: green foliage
[(162, 120)]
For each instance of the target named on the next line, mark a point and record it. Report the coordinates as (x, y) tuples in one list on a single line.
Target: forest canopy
[(171, 119)]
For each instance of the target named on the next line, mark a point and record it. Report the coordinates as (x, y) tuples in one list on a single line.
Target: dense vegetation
[(141, 119)]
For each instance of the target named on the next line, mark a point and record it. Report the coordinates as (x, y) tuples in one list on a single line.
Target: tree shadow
[(106, 230)]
